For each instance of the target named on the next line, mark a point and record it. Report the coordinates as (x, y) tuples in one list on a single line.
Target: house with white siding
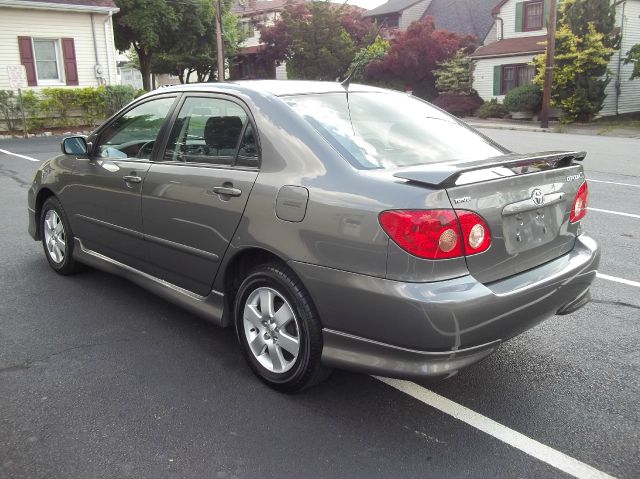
[(61, 43), (519, 33)]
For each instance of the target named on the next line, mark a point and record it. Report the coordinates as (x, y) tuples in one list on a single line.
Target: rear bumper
[(417, 330)]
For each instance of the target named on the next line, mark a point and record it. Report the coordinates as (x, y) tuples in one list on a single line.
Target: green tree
[(374, 52), (578, 14), (455, 75), (586, 39), (578, 84), (194, 50), (318, 40), (321, 49), (144, 25), (633, 56)]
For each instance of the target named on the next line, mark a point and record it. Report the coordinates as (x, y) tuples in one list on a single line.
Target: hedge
[(64, 107)]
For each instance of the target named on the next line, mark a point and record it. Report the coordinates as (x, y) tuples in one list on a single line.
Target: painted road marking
[(524, 443), (18, 155), (618, 280), (614, 212), (590, 180)]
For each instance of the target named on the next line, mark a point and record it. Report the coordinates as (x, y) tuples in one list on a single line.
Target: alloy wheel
[(54, 236), (271, 329)]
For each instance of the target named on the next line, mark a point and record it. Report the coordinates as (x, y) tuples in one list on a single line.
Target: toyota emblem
[(538, 197)]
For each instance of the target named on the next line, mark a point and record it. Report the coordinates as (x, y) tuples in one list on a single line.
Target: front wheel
[(279, 329), (57, 238)]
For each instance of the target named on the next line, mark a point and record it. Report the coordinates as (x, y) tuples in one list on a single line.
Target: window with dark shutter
[(27, 59), (533, 14), (69, 58), (516, 75)]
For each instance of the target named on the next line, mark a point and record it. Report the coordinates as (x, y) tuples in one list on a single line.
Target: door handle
[(226, 191), (132, 179)]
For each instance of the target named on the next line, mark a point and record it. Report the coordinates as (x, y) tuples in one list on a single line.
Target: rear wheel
[(279, 329), (57, 238)]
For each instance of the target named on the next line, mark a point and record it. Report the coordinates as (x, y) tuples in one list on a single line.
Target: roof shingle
[(511, 46), (392, 6), (468, 17)]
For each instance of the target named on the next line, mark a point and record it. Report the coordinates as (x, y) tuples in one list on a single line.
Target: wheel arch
[(43, 195), (237, 268)]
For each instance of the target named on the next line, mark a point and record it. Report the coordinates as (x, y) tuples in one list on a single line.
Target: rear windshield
[(387, 129)]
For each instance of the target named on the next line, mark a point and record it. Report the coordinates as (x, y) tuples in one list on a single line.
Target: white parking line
[(590, 180), (614, 212), (618, 280), (524, 443), (18, 155)]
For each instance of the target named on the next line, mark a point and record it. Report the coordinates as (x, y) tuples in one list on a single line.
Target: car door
[(194, 196), (105, 199)]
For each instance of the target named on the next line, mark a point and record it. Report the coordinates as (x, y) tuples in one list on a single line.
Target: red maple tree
[(413, 56)]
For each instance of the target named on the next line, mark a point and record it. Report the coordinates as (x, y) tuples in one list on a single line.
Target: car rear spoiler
[(443, 175)]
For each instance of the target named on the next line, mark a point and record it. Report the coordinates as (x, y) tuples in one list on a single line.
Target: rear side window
[(207, 130), (387, 129)]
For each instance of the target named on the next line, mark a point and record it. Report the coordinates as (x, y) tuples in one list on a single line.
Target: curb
[(494, 126), (46, 133)]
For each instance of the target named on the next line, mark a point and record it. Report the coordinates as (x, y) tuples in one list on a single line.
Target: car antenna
[(347, 81)]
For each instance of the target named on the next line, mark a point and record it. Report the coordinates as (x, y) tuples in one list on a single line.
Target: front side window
[(47, 60), (516, 75), (208, 130), (133, 134), (386, 130), (533, 13)]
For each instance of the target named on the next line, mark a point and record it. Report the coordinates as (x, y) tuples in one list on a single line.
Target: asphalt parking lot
[(99, 378)]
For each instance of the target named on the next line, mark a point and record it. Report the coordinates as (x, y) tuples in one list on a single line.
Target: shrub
[(458, 104), (90, 100), (116, 96), (492, 109), (9, 109), (455, 75), (59, 107), (141, 92), (524, 98), (56, 103)]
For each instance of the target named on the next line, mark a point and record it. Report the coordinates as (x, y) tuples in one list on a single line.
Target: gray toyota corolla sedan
[(356, 227)]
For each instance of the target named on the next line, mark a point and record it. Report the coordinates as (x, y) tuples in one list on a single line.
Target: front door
[(105, 202), (193, 199)]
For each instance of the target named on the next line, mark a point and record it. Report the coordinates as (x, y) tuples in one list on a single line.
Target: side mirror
[(75, 145)]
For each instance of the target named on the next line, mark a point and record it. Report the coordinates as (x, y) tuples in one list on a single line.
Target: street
[(99, 378)]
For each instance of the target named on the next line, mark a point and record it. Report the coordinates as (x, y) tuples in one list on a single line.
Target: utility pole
[(219, 43), (550, 60)]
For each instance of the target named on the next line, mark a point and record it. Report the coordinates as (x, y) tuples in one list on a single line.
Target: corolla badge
[(538, 197)]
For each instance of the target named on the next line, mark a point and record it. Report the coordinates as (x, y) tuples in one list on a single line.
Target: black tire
[(67, 265), (306, 369)]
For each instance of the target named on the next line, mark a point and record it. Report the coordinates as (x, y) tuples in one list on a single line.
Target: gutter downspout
[(618, 82), (106, 41), (95, 44)]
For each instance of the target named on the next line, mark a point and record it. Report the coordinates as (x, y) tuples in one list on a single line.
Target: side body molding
[(210, 307)]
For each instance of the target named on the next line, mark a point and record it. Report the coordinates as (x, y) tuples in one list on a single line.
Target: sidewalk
[(595, 129)]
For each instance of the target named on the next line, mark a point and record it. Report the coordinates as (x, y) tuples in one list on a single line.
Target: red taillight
[(437, 234), (475, 231), (579, 209)]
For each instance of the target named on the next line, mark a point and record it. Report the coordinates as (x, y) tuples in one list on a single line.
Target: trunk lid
[(526, 201)]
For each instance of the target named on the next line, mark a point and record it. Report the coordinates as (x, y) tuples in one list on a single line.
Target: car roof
[(275, 87)]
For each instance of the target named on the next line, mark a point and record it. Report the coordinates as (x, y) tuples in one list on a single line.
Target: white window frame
[(59, 64)]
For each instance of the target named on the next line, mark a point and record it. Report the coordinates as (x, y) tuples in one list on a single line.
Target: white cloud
[(368, 4)]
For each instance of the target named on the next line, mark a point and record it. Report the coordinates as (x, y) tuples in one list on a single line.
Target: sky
[(368, 4)]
